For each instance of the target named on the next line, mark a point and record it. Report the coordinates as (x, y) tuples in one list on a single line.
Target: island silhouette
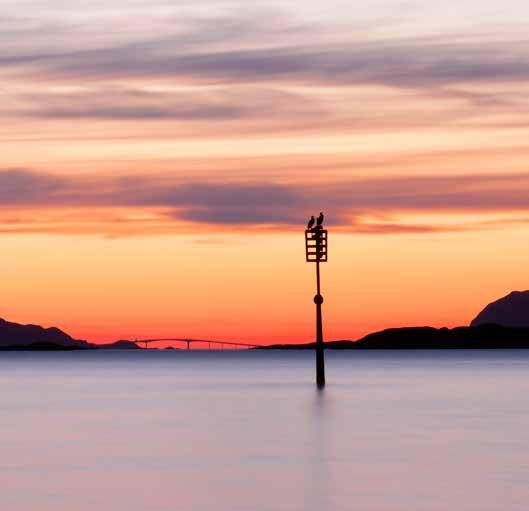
[(503, 324), (511, 310)]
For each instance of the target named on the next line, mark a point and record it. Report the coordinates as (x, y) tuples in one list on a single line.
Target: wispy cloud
[(125, 103), (238, 49), (272, 72), (275, 205)]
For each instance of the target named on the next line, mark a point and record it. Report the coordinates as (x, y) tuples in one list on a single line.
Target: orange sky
[(157, 173)]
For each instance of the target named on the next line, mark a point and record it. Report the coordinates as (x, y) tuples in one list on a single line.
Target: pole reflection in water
[(318, 483)]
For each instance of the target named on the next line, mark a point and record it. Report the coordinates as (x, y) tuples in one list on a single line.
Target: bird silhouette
[(320, 219), (311, 222)]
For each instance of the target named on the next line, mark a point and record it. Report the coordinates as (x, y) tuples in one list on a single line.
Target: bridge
[(209, 342)]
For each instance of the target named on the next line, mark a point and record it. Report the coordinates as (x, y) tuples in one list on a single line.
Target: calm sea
[(245, 431)]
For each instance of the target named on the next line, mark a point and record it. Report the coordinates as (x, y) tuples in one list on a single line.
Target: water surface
[(245, 431)]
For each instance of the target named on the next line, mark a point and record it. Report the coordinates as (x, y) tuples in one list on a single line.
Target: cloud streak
[(122, 103), (237, 50), (274, 205), (250, 71)]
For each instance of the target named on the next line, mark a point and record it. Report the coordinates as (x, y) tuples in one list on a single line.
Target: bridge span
[(209, 342)]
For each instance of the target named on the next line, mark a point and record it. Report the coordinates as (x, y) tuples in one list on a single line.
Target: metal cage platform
[(316, 245)]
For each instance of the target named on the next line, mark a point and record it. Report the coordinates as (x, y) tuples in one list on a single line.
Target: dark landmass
[(118, 345), (16, 337), (48, 346), (415, 338), (511, 311), (43, 346)]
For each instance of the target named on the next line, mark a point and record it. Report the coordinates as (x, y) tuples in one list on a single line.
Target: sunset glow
[(158, 167)]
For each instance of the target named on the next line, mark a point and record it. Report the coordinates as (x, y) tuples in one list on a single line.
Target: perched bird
[(311, 222), (320, 219)]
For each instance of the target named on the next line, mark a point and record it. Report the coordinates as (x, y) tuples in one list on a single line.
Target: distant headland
[(425, 338), (511, 310), (14, 336), (503, 324)]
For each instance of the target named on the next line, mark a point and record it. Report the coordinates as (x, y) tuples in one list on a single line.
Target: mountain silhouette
[(511, 310), (14, 336)]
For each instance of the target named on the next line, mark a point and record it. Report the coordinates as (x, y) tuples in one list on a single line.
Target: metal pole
[(316, 252), (320, 362)]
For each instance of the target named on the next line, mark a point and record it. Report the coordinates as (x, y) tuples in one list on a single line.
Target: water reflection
[(319, 470), (249, 432)]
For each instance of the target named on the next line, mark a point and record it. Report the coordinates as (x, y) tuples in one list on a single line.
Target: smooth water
[(244, 431)]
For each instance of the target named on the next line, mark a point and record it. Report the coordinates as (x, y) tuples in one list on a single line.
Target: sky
[(159, 161)]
